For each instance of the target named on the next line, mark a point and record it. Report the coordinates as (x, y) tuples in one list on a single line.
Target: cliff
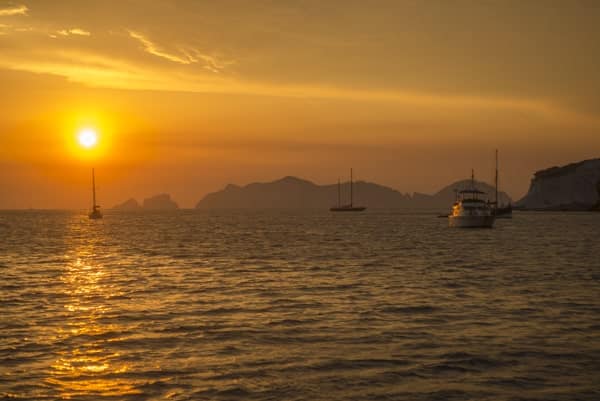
[(596, 207), (295, 193), (571, 187)]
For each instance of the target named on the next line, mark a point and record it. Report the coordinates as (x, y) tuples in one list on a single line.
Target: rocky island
[(130, 204), (158, 202), (575, 186)]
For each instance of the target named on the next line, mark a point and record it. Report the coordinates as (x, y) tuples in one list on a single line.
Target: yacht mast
[(496, 181), (350, 186), (339, 193)]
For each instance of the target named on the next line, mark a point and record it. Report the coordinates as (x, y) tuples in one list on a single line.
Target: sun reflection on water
[(86, 364)]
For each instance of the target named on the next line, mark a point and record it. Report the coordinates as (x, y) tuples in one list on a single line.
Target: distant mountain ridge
[(575, 186), (296, 193)]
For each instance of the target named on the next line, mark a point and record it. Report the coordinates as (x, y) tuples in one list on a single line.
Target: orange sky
[(188, 97)]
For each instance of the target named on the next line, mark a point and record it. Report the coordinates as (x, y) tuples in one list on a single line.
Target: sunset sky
[(187, 96)]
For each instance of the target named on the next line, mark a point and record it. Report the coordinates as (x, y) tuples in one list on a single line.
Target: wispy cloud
[(186, 56), (150, 47), (211, 63), (13, 10), (6, 29), (73, 31), (78, 31)]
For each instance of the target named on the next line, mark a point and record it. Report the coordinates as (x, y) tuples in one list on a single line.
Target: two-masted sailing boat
[(95, 212), (350, 206)]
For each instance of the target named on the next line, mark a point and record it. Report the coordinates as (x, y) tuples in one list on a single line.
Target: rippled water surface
[(298, 305)]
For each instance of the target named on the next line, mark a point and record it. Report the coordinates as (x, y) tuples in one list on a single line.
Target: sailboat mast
[(339, 193), (94, 189), (350, 187), (496, 181)]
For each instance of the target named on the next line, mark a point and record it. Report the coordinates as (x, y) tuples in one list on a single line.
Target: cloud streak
[(13, 10), (151, 48), (73, 31), (70, 32), (187, 56)]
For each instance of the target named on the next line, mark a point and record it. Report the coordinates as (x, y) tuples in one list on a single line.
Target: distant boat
[(501, 212), (349, 207), (95, 213), (471, 212)]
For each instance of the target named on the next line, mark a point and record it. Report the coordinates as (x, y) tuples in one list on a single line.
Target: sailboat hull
[(95, 215), (348, 209)]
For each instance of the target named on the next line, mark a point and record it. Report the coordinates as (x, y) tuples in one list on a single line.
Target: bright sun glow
[(87, 138)]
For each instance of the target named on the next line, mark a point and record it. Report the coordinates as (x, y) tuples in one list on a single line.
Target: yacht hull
[(471, 221)]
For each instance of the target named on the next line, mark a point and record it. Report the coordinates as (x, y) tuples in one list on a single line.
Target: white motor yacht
[(471, 212)]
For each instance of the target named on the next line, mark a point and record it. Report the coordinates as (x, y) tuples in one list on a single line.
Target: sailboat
[(349, 207), (501, 212), (95, 213)]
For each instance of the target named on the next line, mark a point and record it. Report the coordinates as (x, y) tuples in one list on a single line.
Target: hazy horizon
[(187, 97), (344, 182)]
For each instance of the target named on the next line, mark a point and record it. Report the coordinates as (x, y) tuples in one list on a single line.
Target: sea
[(298, 305)]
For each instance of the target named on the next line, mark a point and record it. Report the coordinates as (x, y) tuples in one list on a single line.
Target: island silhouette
[(157, 202), (572, 187), (298, 193)]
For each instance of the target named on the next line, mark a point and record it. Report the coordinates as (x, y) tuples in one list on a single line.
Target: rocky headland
[(575, 186)]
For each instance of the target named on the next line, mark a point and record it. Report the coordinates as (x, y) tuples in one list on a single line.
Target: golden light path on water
[(88, 366)]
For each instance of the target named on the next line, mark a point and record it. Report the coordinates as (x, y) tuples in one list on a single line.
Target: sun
[(88, 138)]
